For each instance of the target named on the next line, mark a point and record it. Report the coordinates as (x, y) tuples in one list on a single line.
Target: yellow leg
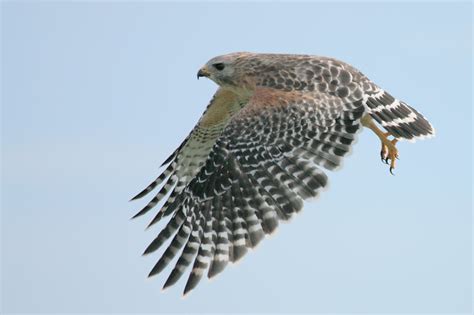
[(389, 150)]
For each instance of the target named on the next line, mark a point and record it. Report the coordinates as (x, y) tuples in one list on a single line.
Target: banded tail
[(398, 118)]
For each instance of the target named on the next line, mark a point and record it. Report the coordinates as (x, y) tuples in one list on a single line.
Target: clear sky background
[(95, 95)]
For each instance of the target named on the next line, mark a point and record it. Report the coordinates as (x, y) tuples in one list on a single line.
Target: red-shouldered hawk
[(259, 150)]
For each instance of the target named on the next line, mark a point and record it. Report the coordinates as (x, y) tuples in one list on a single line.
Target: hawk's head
[(229, 71)]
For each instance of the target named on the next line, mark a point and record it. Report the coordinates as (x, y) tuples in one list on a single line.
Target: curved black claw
[(391, 170), (386, 160)]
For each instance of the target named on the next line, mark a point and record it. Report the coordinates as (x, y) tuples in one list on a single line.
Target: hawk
[(261, 147)]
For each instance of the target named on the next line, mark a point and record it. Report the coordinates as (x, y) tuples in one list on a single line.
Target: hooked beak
[(203, 72)]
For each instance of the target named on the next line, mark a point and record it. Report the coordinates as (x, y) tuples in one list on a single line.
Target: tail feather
[(398, 118)]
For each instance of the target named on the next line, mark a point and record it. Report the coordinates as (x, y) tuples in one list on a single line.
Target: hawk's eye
[(219, 66)]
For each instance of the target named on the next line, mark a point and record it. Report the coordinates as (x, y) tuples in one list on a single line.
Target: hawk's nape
[(259, 150)]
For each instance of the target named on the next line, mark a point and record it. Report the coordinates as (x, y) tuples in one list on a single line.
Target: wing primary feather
[(236, 229), (189, 251), (166, 173), (208, 247), (239, 234), (171, 157), (177, 151), (162, 193), (267, 215), (201, 259), (168, 208), (171, 227), (227, 206), (176, 244), (221, 254)]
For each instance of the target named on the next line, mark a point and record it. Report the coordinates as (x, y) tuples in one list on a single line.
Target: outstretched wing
[(267, 160), (184, 163)]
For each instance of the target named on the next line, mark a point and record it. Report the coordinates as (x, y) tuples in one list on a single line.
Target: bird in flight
[(261, 147)]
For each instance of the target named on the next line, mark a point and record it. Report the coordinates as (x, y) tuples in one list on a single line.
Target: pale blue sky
[(96, 94)]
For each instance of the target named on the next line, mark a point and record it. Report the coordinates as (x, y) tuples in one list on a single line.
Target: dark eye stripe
[(219, 66)]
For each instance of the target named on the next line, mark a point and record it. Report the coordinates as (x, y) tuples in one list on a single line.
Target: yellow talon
[(388, 152)]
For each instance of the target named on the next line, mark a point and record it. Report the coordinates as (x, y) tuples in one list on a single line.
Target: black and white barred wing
[(184, 163), (269, 158)]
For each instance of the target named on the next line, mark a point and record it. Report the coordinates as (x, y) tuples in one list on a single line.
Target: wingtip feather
[(139, 195)]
